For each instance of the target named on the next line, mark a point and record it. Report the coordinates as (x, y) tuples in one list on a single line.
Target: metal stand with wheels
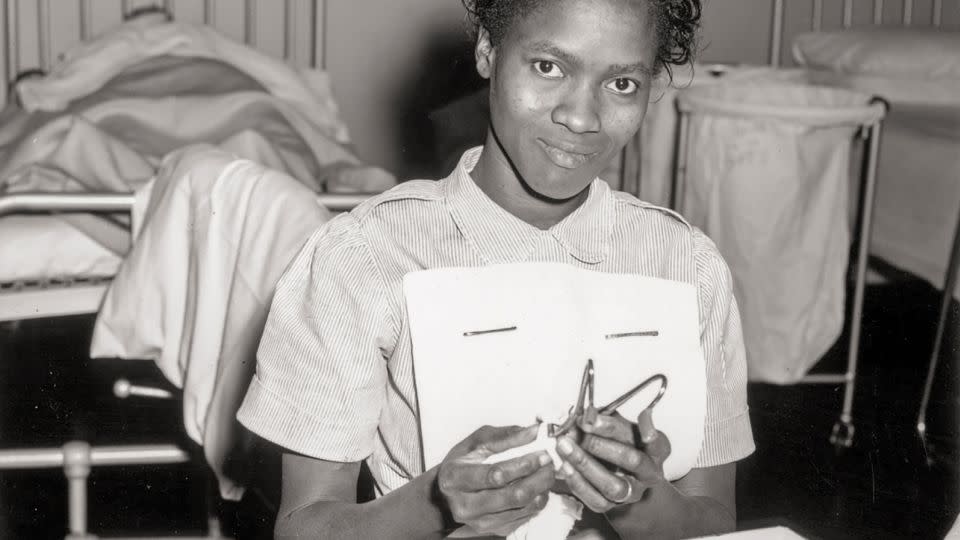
[(843, 430)]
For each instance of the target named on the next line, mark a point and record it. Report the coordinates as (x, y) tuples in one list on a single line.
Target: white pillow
[(891, 52)]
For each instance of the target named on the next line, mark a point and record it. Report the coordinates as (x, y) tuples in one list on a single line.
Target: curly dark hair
[(676, 22)]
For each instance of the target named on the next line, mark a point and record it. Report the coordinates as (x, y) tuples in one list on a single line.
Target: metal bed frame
[(69, 296), (76, 458)]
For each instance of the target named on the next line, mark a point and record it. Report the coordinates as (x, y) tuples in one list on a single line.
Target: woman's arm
[(318, 497)]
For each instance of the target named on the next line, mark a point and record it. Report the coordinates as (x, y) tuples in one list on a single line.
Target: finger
[(501, 439), (612, 427), (504, 523), (517, 495), (609, 485), (628, 458), (659, 448), (645, 426), (468, 476), (580, 488)]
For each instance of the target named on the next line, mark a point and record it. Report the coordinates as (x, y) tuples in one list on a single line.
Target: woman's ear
[(484, 53)]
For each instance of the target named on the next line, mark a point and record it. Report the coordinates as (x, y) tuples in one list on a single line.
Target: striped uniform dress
[(334, 369)]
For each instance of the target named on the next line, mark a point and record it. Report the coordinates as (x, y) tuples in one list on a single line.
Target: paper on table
[(562, 316)]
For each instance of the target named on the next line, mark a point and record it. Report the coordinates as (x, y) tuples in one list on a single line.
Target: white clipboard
[(562, 316)]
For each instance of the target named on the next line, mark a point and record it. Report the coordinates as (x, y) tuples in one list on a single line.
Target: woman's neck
[(500, 181)]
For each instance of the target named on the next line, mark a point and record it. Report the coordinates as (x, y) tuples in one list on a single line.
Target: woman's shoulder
[(632, 211), (641, 218), (400, 198)]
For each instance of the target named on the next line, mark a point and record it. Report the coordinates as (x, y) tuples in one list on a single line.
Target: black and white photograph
[(521, 269)]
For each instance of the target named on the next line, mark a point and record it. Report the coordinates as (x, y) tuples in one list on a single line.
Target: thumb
[(645, 426)]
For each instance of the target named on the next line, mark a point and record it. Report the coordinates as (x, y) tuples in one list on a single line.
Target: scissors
[(584, 409)]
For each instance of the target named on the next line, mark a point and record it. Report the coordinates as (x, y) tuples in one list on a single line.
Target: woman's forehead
[(615, 31)]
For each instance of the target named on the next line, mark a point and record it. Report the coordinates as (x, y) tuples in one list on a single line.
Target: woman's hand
[(616, 461), (494, 498)]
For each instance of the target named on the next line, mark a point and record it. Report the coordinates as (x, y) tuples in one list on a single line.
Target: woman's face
[(569, 86)]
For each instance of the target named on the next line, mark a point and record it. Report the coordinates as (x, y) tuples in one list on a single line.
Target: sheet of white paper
[(562, 316)]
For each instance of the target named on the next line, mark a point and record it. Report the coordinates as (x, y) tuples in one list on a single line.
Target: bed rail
[(37, 202), (77, 458)]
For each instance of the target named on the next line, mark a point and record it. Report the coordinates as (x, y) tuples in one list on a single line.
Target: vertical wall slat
[(319, 34), (6, 51), (937, 12), (86, 20), (776, 33), (291, 31), (877, 11), (13, 40), (250, 22), (817, 19), (210, 13), (847, 13), (43, 34), (907, 12)]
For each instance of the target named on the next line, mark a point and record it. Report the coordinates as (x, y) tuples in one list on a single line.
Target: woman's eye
[(623, 86), (547, 69)]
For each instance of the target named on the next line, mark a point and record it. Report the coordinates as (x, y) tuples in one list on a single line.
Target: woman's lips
[(565, 158)]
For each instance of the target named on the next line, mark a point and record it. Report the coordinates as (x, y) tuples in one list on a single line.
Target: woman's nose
[(578, 111)]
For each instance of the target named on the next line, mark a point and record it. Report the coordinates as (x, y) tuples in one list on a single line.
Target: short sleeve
[(321, 371), (728, 436)]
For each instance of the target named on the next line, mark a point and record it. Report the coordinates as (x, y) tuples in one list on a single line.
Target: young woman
[(569, 85)]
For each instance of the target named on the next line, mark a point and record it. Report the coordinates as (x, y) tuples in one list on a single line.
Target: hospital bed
[(54, 290)]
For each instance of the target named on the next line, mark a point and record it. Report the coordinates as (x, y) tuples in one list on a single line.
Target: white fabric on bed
[(917, 90), (88, 67), (66, 251), (911, 53), (194, 292), (117, 106), (918, 190), (918, 173)]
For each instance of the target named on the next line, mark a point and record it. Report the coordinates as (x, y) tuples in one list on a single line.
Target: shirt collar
[(501, 237)]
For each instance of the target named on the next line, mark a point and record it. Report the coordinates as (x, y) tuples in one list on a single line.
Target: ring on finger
[(629, 493)]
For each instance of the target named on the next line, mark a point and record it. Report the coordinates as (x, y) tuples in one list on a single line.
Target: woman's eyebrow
[(550, 48), (638, 67)]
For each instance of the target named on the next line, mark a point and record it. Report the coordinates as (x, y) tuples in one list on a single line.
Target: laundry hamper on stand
[(763, 167)]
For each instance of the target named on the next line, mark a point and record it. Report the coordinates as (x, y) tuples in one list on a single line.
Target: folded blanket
[(194, 292)]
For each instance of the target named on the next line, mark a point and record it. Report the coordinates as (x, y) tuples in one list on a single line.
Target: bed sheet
[(67, 251)]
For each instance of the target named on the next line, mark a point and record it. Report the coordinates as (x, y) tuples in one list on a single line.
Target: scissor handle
[(617, 403)]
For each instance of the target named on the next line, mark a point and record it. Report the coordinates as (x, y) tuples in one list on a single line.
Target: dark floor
[(887, 485)]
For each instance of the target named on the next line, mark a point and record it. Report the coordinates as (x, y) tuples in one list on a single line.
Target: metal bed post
[(950, 284)]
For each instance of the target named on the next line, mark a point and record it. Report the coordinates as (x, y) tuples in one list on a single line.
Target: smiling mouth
[(564, 158)]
